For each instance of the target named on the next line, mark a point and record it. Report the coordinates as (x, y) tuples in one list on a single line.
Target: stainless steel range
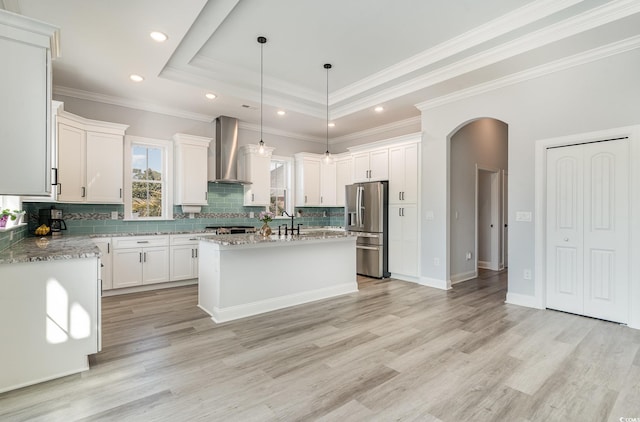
[(232, 229)]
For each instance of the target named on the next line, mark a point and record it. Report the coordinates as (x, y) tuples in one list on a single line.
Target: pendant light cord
[(261, 84), (327, 66)]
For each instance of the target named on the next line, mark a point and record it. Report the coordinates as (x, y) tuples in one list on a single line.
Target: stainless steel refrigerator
[(366, 212)]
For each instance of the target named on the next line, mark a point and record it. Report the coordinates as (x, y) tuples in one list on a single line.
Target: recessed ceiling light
[(331, 124), (210, 95), (136, 78), (281, 113), (379, 109), (158, 36)]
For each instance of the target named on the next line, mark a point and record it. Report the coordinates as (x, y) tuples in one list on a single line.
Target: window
[(280, 193), (148, 193)]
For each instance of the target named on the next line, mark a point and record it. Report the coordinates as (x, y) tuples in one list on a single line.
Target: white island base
[(244, 275)]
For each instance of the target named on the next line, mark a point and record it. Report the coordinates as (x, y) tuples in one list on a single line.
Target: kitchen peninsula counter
[(247, 274)]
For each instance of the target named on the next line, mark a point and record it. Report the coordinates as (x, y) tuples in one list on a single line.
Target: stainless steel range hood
[(227, 151)]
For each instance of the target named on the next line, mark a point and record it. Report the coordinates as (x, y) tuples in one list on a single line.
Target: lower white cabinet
[(140, 260), (106, 261), (403, 240), (184, 257)]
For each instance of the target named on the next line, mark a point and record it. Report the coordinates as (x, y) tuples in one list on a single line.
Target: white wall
[(594, 96), (482, 143)]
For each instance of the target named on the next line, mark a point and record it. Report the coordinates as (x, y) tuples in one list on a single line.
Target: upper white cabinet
[(90, 160), (190, 159), (315, 181), (370, 166), (403, 174), (255, 167), (344, 177), (25, 105)]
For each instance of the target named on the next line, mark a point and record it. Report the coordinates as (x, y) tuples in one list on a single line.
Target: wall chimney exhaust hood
[(226, 154)]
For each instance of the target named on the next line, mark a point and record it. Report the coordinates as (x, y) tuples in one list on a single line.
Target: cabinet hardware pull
[(399, 212), (191, 253), (193, 238), (196, 252), (145, 256), (321, 199), (55, 176), (252, 197), (140, 253), (108, 247), (120, 193), (402, 195), (142, 241), (206, 196), (84, 191), (305, 199), (399, 196), (59, 188)]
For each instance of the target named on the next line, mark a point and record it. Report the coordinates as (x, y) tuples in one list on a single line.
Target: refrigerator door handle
[(361, 206), (369, 248)]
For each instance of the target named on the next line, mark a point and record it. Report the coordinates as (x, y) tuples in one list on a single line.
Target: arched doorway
[(478, 169)]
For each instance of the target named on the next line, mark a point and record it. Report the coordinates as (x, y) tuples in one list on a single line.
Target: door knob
[(566, 239)]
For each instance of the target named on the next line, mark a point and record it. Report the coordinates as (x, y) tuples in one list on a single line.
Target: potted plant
[(7, 215), (266, 217)]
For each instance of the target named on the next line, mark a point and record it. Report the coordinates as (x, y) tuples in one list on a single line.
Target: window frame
[(167, 176), (289, 169)]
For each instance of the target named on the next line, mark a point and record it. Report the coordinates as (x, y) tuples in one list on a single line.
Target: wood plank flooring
[(392, 351)]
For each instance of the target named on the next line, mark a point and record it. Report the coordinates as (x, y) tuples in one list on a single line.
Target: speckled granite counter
[(256, 239), (205, 231), (36, 249)]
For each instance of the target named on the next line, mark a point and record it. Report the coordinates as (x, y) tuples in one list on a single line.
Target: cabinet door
[(104, 167), (395, 239), (379, 165), (127, 267), (403, 239), (25, 161), (361, 167), (71, 164), (107, 263), (182, 262), (257, 171), (410, 190), (155, 264), (328, 184), (308, 178), (343, 178), (193, 180), (396, 174)]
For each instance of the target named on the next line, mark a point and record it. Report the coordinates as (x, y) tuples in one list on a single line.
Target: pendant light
[(262, 41), (327, 154)]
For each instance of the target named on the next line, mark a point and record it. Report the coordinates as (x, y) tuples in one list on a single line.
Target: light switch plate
[(429, 215), (114, 215), (523, 216)]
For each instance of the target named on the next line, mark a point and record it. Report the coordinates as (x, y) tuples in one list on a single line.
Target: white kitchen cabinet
[(184, 257), (140, 260), (106, 260), (403, 240), (190, 158), (344, 175), (403, 174), (255, 167), (307, 180), (90, 160), (25, 105), (327, 184), (371, 166)]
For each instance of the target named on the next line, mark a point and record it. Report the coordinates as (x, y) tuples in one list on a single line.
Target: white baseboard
[(436, 283), (147, 287), (459, 278), (410, 278), (523, 300), (241, 311)]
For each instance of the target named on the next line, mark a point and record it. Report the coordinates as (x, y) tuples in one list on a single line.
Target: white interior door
[(587, 229), (505, 219), (488, 219)]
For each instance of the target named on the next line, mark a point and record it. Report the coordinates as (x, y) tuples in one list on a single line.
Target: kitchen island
[(247, 274)]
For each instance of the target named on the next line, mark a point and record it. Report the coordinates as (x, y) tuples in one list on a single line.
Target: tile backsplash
[(225, 208)]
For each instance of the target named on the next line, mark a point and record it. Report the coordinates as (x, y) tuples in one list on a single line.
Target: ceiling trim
[(588, 20), (11, 6), (409, 123), (492, 29), (599, 53), (134, 104), (278, 132), (412, 138)]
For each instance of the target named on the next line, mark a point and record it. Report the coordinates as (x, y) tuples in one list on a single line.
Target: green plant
[(10, 214)]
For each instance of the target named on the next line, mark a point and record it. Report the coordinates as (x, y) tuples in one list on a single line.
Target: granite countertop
[(257, 239), (36, 249), (203, 231)]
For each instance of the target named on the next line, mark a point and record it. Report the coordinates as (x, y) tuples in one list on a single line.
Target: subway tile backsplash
[(225, 208)]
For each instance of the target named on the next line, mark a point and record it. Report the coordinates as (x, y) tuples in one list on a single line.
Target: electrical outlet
[(527, 274), (114, 215), (251, 214), (10, 235), (436, 261), (468, 256)]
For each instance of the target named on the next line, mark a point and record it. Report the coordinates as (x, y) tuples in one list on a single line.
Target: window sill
[(12, 227), (148, 219)]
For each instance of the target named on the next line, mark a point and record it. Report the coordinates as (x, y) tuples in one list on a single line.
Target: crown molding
[(606, 13), (134, 104), (409, 123), (490, 30), (410, 138), (278, 132), (599, 53), (11, 6)]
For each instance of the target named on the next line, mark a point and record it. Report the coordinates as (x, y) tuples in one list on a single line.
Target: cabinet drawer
[(184, 239), (139, 241)]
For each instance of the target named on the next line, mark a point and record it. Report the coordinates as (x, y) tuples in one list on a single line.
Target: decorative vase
[(265, 230), (4, 218)]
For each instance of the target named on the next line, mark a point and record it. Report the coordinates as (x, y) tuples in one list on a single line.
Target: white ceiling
[(394, 53)]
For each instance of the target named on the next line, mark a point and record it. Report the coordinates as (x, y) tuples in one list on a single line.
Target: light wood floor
[(392, 351)]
